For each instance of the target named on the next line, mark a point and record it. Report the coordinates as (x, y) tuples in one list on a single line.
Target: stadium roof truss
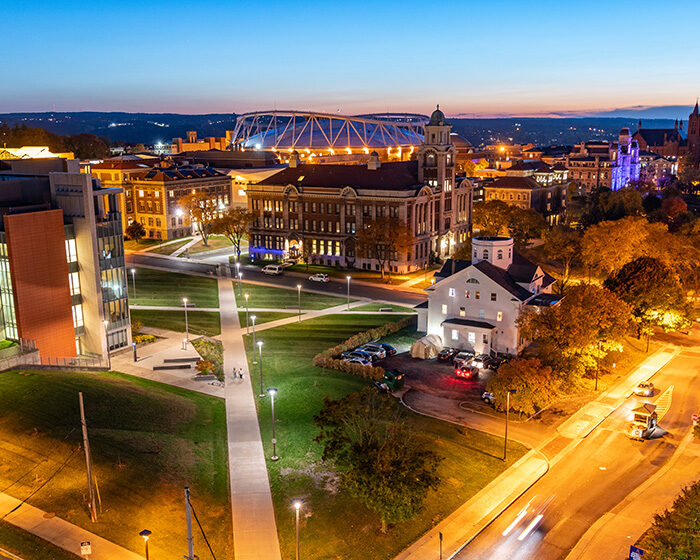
[(286, 130)]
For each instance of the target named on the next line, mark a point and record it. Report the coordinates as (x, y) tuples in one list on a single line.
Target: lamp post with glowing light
[(247, 327), (238, 274), (272, 392), (187, 325), (299, 296), (260, 343), (145, 534), (109, 357), (348, 277), (133, 280), (297, 507)]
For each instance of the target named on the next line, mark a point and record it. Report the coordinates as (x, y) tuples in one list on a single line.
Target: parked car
[(360, 361), (447, 354), (494, 362), (467, 371), (319, 278), (480, 361), (463, 357), (357, 354), (274, 269), (388, 348), (374, 349), (488, 398), (644, 389)]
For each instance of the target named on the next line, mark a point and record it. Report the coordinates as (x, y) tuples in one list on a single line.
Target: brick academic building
[(324, 206)]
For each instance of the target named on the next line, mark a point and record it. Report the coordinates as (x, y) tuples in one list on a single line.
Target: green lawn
[(170, 247), (378, 306), (200, 322), (26, 545), (155, 287), (264, 316), (280, 298), (130, 245), (214, 242), (148, 441), (7, 344), (336, 525)]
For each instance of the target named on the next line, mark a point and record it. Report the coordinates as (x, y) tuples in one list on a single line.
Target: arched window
[(430, 159), (499, 255), (485, 254)]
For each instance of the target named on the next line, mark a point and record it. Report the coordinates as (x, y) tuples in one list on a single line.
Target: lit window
[(455, 334), (78, 315), (140, 193), (499, 316), (444, 309), (462, 312), (471, 337), (453, 293), (71, 254), (477, 295)]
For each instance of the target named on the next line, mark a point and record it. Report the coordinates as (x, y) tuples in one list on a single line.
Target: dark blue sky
[(481, 57)]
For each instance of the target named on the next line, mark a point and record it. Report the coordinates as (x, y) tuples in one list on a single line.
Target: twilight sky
[(473, 57)]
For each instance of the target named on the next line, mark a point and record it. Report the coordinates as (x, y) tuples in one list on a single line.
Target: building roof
[(469, 323), (422, 305), (514, 182), (521, 271), (389, 176), (437, 118), (167, 174), (530, 165), (116, 164), (659, 136)]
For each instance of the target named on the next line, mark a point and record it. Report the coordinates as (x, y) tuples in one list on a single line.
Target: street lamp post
[(252, 320), (136, 358), (348, 277), (145, 534), (187, 325), (260, 343), (299, 296), (272, 392), (297, 507), (133, 280), (238, 273), (109, 357), (505, 440), (247, 327), (597, 367)]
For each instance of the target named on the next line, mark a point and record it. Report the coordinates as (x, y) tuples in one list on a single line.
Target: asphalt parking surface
[(439, 379)]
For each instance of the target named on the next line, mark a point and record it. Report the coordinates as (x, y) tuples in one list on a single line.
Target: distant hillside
[(148, 128)]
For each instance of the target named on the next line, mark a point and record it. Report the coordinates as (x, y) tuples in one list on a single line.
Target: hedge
[(327, 359)]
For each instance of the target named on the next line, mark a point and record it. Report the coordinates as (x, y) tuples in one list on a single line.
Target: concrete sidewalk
[(611, 536), (177, 252), (60, 532), (472, 517), (254, 525)]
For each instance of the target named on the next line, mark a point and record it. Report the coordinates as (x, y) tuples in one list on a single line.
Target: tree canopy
[(384, 239), (234, 224), (382, 461), (135, 231), (653, 291), (202, 210), (495, 217), (83, 145), (535, 385), (563, 245)]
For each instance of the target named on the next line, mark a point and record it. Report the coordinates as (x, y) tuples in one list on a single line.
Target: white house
[(474, 305)]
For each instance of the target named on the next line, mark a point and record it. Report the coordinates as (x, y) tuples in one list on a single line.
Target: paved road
[(591, 480), (336, 287)]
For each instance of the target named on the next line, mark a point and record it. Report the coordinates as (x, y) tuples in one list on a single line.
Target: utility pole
[(188, 518), (86, 447), (505, 439)]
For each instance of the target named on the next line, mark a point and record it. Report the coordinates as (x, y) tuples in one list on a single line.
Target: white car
[(644, 389), (319, 278), (273, 269)]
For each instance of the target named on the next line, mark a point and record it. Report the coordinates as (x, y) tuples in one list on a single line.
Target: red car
[(466, 371)]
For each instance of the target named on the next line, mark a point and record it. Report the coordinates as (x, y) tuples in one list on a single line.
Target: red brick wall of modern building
[(39, 270)]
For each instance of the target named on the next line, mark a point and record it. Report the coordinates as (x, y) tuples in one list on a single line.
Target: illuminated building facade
[(62, 272), (314, 211)]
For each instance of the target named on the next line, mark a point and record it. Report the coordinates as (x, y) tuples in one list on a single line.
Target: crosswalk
[(663, 403)]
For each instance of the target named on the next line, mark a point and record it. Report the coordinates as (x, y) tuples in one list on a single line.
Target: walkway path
[(254, 526), (59, 531), (177, 252)]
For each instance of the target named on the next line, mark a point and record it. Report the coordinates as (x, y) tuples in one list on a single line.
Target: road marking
[(663, 403)]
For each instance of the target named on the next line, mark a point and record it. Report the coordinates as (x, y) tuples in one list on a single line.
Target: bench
[(386, 309), (177, 360), (176, 366)]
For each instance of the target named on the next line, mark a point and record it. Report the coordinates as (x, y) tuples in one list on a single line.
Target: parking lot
[(438, 379)]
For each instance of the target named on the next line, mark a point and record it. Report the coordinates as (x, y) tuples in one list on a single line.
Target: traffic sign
[(635, 553), (85, 548), (695, 418)]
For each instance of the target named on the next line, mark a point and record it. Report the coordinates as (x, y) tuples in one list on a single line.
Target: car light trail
[(530, 527)]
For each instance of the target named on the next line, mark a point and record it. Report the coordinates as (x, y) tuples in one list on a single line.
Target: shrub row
[(327, 358)]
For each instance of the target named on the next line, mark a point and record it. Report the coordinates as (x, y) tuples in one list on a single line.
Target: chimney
[(639, 125), (191, 136), (374, 162), (294, 159)]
